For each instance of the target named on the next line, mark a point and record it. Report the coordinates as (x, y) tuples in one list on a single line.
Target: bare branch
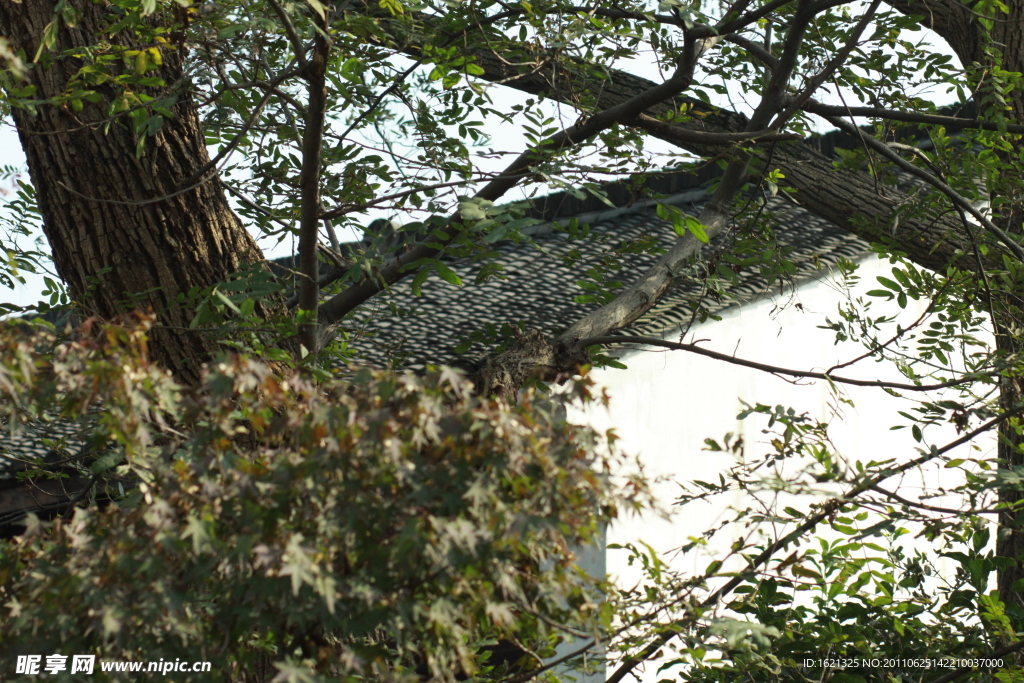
[(934, 508), (645, 292), (837, 60), (758, 51), (377, 201), (695, 137), (312, 142), (848, 199), (289, 29), (910, 117), (774, 369), (955, 197)]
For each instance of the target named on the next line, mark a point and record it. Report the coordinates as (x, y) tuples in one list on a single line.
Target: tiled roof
[(539, 287), (37, 440)]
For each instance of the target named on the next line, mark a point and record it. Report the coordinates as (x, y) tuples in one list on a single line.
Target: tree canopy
[(245, 500)]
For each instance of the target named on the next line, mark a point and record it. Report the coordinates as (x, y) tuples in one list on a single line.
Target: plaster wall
[(667, 403)]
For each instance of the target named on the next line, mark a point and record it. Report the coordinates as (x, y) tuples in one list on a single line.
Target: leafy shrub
[(367, 527)]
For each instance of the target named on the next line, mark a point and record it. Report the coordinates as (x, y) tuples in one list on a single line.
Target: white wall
[(668, 402)]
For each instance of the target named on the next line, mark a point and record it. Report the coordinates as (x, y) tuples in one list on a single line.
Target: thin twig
[(338, 306), (289, 29), (955, 197), (773, 369), (910, 117), (837, 60)]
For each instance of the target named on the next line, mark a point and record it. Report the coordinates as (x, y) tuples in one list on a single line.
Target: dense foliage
[(369, 527), (286, 521)]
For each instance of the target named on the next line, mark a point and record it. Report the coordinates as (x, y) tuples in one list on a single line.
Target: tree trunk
[(1007, 36), (115, 252), (1010, 537)]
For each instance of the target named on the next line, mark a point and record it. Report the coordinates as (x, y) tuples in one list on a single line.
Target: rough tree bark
[(115, 248)]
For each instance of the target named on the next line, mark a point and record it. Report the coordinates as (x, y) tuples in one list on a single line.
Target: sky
[(11, 155), (508, 137)]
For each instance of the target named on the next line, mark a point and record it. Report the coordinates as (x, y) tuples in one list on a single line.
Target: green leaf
[(418, 280), (48, 40), (496, 234), (107, 461), (153, 125), (446, 273), (70, 15), (141, 62), (319, 8), (800, 570), (696, 228), (980, 540), (894, 286), (474, 209), (226, 301)]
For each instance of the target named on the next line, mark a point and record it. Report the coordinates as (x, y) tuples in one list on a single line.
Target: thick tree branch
[(309, 223), (695, 137), (959, 201), (505, 373), (837, 60), (645, 292)]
